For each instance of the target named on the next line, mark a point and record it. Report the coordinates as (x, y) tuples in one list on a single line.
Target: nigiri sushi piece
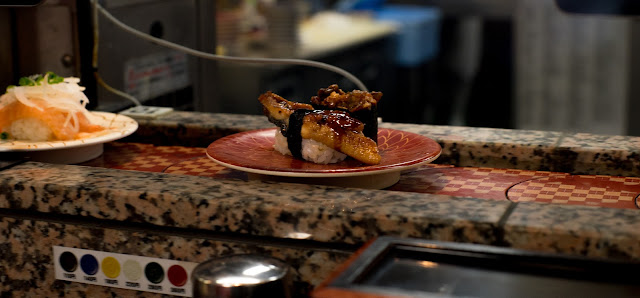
[(335, 130), (360, 104), (46, 108)]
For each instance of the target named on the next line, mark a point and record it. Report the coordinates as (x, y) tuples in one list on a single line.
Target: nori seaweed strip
[(370, 120), (294, 138)]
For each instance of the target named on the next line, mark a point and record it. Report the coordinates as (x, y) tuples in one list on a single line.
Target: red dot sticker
[(177, 275)]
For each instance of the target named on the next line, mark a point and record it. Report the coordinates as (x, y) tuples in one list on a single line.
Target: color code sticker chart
[(123, 271)]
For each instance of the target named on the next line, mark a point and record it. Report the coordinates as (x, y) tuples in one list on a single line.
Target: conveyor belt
[(485, 183)]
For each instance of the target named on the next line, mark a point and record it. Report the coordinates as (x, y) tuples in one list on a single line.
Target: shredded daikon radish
[(50, 91)]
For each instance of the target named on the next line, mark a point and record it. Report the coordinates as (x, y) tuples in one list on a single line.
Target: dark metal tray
[(412, 267)]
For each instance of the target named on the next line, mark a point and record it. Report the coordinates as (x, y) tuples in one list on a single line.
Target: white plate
[(74, 151)]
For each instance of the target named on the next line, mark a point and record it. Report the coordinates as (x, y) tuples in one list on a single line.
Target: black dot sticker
[(68, 261), (154, 272)]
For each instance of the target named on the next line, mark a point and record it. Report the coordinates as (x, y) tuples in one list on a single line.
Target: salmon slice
[(54, 118)]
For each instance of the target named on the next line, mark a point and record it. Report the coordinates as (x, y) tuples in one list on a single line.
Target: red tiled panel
[(143, 157), (589, 190), (204, 166), (484, 183)]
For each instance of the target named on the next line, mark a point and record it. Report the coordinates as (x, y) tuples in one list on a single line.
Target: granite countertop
[(346, 216)]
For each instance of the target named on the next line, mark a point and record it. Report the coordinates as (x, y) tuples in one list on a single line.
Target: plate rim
[(335, 173), (58, 145)]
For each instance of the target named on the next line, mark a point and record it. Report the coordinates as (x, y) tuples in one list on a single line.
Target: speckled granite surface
[(27, 256), (339, 215), (7, 163), (579, 230), (306, 213)]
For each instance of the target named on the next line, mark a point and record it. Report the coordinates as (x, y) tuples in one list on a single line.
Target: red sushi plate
[(253, 152)]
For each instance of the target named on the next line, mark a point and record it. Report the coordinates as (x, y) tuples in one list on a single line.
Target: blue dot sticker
[(89, 264)]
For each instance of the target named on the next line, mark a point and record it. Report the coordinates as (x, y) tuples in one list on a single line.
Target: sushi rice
[(312, 150), (30, 129)]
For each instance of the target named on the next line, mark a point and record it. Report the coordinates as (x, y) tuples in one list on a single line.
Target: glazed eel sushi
[(318, 135), (359, 104)]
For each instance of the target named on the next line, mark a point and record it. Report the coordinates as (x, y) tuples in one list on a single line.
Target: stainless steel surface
[(405, 267), (242, 276)]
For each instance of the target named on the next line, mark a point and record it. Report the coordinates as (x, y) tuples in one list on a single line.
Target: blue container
[(354, 5), (417, 38)]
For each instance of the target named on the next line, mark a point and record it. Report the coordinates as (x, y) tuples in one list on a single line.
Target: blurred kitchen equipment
[(282, 19), (19, 3), (57, 36), (612, 7), (242, 276), (256, 28), (575, 72), (154, 74), (416, 44)]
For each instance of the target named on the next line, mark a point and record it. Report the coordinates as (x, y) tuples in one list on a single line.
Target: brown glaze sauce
[(338, 121)]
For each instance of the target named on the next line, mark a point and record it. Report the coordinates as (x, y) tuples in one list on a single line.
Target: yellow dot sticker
[(110, 267)]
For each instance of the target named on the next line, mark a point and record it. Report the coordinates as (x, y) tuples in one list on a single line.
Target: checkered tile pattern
[(196, 167), (143, 157), (603, 191), (484, 183), (203, 166)]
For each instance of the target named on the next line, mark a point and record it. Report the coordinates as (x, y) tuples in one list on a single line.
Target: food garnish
[(45, 107)]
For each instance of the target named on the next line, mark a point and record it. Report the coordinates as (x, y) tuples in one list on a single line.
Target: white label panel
[(123, 271)]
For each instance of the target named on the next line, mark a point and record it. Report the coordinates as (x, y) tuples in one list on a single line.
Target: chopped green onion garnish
[(36, 80), (53, 78), (4, 135), (26, 81)]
